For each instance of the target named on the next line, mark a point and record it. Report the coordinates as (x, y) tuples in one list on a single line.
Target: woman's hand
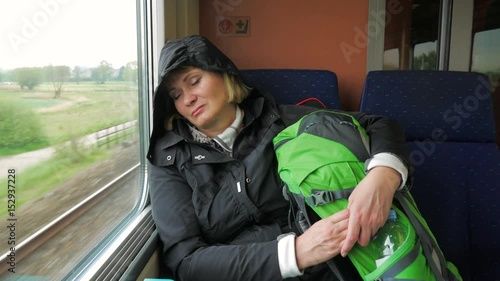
[(369, 206), (322, 241)]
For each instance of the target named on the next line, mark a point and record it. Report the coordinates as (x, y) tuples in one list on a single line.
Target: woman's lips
[(197, 111)]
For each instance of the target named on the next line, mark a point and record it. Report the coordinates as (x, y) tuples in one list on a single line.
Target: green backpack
[(321, 159)]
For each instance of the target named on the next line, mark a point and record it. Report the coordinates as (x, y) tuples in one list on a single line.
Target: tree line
[(58, 75)]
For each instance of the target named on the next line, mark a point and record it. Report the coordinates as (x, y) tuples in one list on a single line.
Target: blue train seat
[(449, 124), (290, 86)]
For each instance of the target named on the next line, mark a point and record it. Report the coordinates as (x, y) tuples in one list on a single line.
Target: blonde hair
[(236, 90)]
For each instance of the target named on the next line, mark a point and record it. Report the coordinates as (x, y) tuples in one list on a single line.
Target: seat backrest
[(290, 86), (449, 124)]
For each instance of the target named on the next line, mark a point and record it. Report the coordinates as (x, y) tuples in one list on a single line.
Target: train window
[(70, 149), (412, 30), (424, 56), (391, 59), (485, 56), (486, 39)]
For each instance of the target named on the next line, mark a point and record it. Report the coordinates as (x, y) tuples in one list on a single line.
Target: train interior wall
[(302, 35)]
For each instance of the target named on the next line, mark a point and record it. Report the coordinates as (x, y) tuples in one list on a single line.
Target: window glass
[(68, 127), (485, 56), (391, 59), (424, 56), (411, 29)]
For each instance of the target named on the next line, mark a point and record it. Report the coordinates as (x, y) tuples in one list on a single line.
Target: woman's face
[(200, 96)]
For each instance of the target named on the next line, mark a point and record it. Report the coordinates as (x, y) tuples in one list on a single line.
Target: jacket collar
[(257, 103)]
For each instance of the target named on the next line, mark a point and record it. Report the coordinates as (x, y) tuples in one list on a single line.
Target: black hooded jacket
[(218, 216)]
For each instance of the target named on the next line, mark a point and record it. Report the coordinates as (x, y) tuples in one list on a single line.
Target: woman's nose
[(189, 98)]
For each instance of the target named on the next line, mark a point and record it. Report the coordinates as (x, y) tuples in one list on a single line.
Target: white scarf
[(225, 140)]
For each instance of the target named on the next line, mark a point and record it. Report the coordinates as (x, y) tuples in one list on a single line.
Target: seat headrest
[(291, 86), (436, 105)]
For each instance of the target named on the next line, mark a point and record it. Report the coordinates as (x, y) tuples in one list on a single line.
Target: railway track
[(42, 236)]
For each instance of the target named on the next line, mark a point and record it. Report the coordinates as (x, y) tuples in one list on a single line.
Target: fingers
[(352, 235), (339, 223), (340, 227), (322, 240), (364, 236), (339, 216)]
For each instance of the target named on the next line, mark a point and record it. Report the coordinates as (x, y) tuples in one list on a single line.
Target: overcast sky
[(67, 32)]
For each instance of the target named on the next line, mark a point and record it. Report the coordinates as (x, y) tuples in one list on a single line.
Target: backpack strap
[(395, 279), (333, 267), (431, 249), (322, 197), (401, 264), (299, 199), (301, 203)]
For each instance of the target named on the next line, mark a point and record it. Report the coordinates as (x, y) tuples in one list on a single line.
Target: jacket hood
[(194, 51)]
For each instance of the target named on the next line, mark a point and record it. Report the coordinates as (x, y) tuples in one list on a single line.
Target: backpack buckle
[(319, 198), (323, 197)]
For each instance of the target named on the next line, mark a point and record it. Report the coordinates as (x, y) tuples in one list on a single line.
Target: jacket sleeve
[(386, 136), (185, 251)]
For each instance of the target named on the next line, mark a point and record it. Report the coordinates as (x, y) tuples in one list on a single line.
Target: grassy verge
[(8, 151), (43, 177)]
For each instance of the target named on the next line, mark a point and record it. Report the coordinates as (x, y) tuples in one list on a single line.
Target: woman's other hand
[(369, 206), (322, 241)]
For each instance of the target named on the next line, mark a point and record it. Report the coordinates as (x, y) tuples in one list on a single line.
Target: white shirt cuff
[(286, 256), (391, 161)]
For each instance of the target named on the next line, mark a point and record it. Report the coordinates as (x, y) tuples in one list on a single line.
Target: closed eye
[(175, 94), (195, 81)]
